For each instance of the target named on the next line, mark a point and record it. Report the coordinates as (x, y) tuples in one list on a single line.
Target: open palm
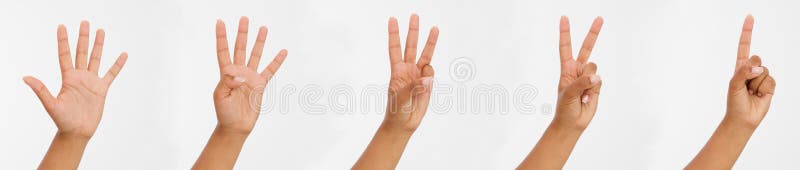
[(79, 105), (237, 97), (411, 80), (751, 88), (578, 87)]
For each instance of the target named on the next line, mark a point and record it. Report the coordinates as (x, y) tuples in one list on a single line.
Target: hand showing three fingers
[(78, 107), (411, 81), (409, 92), (237, 97), (751, 88), (578, 87)]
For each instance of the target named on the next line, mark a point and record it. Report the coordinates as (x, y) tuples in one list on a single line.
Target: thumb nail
[(585, 99), (239, 79), (757, 70), (595, 79)]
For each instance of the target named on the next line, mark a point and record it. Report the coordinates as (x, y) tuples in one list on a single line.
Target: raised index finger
[(591, 38), (223, 54), (64, 56), (744, 40)]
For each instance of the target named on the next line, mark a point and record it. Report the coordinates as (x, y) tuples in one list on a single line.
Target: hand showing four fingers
[(237, 97), (78, 107)]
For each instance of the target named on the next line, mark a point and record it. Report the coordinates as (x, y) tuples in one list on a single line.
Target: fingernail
[(750, 91), (760, 94), (585, 99), (239, 79), (426, 81), (757, 70), (595, 79)]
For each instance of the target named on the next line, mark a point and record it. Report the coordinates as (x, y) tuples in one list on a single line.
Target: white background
[(665, 67)]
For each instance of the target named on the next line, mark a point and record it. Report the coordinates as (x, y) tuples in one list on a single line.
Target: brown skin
[(237, 98), (578, 92), (749, 97), (409, 92), (77, 109)]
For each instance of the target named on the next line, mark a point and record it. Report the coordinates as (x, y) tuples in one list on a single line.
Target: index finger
[(223, 54), (64, 56), (591, 38), (430, 46), (744, 40)]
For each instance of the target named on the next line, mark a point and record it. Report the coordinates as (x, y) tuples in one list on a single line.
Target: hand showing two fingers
[(579, 86)]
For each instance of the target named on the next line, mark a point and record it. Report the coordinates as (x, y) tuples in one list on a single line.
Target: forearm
[(725, 145), (385, 149), (65, 152), (553, 149), (222, 150)]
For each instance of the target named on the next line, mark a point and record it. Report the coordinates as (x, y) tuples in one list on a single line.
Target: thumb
[(422, 99), (41, 91), (232, 78), (232, 81), (425, 82), (744, 73), (580, 85)]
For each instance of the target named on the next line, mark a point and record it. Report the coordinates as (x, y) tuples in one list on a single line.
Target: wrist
[(73, 136), (231, 131), (731, 121), (567, 126), (387, 129)]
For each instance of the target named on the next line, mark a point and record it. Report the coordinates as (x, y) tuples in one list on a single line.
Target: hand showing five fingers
[(237, 97), (79, 105), (751, 88), (411, 80), (578, 87)]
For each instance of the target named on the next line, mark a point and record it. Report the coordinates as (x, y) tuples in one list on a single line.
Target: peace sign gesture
[(578, 87)]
